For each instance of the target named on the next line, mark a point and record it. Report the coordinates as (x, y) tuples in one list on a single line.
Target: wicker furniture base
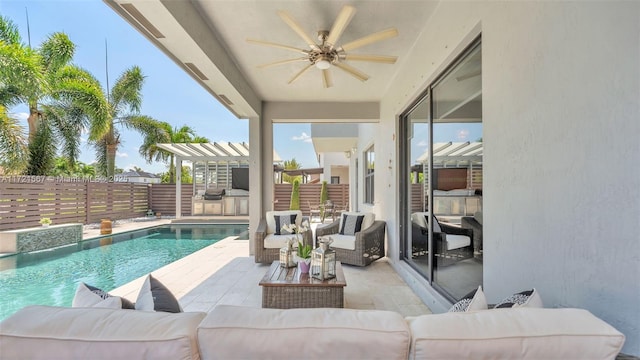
[(284, 288)]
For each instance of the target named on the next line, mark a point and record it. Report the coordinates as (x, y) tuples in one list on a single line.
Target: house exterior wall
[(561, 197), (328, 161)]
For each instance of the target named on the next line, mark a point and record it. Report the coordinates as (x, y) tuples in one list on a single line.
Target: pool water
[(50, 277)]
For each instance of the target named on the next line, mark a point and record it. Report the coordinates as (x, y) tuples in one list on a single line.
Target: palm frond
[(9, 31), (21, 70), (41, 156), (13, 144), (56, 51), (126, 94)]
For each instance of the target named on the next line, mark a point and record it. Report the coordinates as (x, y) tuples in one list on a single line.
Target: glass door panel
[(456, 175)]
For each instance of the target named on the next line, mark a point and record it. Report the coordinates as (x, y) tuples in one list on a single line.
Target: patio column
[(178, 187), (256, 178)]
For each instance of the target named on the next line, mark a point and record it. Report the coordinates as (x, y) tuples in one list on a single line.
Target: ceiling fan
[(326, 53)]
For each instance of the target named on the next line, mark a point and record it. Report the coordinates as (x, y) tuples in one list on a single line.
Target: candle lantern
[(286, 255), (323, 260)]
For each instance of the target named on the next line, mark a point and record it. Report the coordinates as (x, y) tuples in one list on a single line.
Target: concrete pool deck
[(224, 273)]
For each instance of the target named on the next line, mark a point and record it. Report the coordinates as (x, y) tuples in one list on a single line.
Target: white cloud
[(120, 154), (423, 143), (463, 134), (303, 137)]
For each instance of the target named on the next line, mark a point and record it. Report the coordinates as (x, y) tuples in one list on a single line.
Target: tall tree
[(123, 100), (59, 94), (165, 133)]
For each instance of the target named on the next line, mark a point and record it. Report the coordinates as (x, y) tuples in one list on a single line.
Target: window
[(335, 179), (369, 160)]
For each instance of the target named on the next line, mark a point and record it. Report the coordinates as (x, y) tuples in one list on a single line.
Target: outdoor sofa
[(237, 332)]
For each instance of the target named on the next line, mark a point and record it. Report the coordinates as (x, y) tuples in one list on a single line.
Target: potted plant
[(304, 257), (45, 222)]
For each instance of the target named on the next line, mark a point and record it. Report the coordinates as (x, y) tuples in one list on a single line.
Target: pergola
[(218, 153)]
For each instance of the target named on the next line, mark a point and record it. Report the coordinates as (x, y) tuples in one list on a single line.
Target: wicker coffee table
[(284, 288)]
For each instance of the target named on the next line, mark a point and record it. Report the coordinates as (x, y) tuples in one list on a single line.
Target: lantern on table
[(323, 260), (286, 255)]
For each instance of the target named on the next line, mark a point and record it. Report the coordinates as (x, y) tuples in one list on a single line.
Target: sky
[(169, 94)]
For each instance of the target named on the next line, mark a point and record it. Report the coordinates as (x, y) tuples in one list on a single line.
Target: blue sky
[(169, 94)]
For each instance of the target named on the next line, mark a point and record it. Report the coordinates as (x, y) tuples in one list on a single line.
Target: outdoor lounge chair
[(314, 210), (269, 239), (362, 248), (452, 243)]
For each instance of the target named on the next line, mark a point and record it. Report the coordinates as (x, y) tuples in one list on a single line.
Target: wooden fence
[(162, 198), (310, 195), (23, 203)]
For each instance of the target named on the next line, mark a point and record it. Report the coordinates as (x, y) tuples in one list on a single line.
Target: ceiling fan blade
[(276, 45), (326, 78), (372, 58), (300, 73), (293, 24), (353, 71), (343, 19), (281, 62), (381, 35)]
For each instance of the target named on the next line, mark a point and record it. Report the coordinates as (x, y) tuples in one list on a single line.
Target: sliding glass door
[(441, 152)]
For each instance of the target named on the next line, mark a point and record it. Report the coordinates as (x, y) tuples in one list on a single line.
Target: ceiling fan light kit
[(326, 54)]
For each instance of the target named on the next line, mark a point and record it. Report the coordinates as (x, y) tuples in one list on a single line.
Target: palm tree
[(123, 100), (59, 94), (291, 165), (13, 144), (167, 134)]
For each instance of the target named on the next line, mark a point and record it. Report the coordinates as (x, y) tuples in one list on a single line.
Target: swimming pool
[(50, 277)]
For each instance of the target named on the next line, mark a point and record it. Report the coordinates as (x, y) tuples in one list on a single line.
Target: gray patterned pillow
[(351, 224), (528, 298), (283, 220), (474, 300)]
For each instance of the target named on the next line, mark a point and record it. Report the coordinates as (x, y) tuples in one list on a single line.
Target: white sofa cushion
[(272, 241), (237, 332), (457, 241), (347, 242), (369, 218), (271, 220), (46, 332), (522, 333)]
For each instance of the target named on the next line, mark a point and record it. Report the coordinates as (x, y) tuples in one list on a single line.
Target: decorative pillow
[(90, 296), (529, 298), (351, 224), (283, 220), (154, 296), (473, 301)]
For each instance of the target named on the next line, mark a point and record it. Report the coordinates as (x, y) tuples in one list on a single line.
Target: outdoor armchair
[(364, 246), (269, 237), (452, 243)]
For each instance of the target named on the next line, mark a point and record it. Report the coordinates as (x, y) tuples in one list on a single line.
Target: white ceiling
[(231, 68)]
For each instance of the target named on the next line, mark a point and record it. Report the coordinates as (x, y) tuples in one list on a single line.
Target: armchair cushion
[(282, 221), (347, 242), (351, 224), (273, 241), (271, 220), (457, 241), (367, 221)]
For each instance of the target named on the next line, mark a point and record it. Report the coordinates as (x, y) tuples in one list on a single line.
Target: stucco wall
[(561, 90)]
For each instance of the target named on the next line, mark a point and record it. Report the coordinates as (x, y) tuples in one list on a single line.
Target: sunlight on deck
[(223, 273)]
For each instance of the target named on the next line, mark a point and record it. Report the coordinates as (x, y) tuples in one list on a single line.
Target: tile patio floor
[(224, 273)]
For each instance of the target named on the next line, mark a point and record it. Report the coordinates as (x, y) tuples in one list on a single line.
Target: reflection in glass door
[(416, 176), (457, 175)]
